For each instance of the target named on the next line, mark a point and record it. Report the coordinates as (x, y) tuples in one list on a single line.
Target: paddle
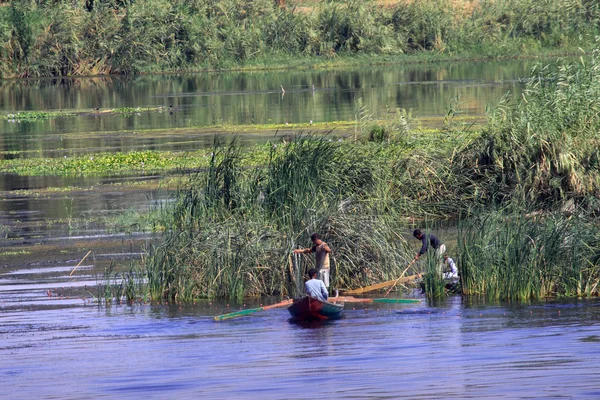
[(252, 310), (350, 299)]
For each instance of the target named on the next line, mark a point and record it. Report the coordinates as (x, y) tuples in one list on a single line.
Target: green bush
[(68, 38)]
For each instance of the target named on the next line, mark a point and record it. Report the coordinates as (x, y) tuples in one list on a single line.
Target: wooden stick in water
[(84, 257)]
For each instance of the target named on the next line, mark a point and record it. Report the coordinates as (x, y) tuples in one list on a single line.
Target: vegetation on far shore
[(72, 38), (524, 191)]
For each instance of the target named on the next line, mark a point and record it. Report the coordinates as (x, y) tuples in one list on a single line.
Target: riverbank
[(84, 39)]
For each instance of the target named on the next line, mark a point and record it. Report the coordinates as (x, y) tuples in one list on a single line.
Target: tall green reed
[(512, 256)]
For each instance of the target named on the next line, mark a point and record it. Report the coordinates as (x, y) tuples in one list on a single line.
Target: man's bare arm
[(307, 250)]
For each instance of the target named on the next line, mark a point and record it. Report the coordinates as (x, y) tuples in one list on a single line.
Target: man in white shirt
[(448, 262), (315, 288)]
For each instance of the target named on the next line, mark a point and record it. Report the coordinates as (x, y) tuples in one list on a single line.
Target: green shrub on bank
[(86, 38)]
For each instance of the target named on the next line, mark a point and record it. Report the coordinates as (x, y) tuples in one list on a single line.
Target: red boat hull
[(310, 309)]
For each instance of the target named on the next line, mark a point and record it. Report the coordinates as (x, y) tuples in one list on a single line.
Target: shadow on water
[(314, 324)]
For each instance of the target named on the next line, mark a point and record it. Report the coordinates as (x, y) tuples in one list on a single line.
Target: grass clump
[(234, 228), (512, 256)]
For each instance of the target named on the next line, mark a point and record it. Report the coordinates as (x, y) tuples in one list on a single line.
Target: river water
[(452, 350), (57, 343)]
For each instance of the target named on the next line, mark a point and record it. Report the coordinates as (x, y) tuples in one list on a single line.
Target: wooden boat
[(307, 308)]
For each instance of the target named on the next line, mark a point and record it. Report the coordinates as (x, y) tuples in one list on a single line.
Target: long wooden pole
[(350, 299), (384, 284), (252, 310), (401, 275)]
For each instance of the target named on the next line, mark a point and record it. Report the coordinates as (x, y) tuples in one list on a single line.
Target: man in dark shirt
[(439, 247)]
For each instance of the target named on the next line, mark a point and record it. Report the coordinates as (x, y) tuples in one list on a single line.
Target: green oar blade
[(238, 313), (396, 301)]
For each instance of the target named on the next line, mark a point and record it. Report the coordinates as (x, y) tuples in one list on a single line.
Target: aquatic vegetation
[(14, 253), (18, 116), (85, 38), (509, 255), (135, 110), (34, 115), (433, 279), (105, 164), (128, 286), (134, 220), (233, 228)]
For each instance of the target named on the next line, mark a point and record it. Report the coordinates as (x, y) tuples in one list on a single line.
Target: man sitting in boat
[(315, 288), (321, 250)]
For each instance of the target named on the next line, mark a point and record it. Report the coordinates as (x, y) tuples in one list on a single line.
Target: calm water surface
[(200, 100), (450, 350)]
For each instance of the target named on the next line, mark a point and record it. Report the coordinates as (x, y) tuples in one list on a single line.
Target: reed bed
[(62, 37), (543, 148), (512, 256), (232, 229)]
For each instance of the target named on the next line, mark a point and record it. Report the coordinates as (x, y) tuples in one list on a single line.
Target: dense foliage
[(50, 38), (232, 231), (544, 147), (510, 255)]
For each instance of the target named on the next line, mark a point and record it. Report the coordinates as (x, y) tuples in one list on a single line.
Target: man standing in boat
[(315, 288), (321, 250), (426, 241)]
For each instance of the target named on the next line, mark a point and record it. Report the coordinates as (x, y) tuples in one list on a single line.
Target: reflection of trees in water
[(251, 98)]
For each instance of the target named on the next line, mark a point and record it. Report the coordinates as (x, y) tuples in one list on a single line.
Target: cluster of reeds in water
[(39, 38), (538, 159), (512, 256), (232, 230)]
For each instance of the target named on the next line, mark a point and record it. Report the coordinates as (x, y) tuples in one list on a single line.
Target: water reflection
[(201, 100)]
